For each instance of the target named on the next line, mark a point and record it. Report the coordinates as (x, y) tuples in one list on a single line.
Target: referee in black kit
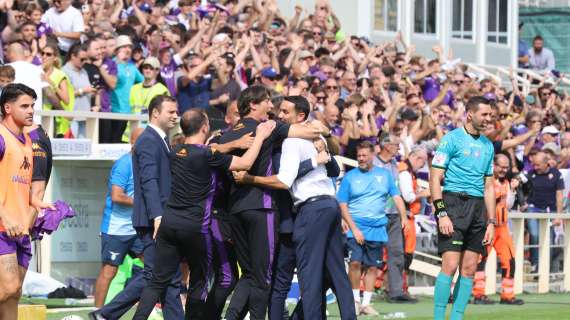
[(184, 231), (254, 230)]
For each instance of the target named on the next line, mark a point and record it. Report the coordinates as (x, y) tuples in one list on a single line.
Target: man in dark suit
[(151, 172)]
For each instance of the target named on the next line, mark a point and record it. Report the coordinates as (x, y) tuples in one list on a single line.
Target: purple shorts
[(21, 246)]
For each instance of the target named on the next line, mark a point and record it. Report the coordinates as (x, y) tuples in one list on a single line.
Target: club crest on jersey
[(439, 159)]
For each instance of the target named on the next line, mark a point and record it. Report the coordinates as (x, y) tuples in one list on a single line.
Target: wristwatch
[(442, 214), (491, 221)]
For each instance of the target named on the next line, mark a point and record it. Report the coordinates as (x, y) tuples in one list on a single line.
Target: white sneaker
[(367, 310), (357, 307)]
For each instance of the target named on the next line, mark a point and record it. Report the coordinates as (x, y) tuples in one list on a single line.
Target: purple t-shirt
[(430, 89), (111, 67), (167, 73)]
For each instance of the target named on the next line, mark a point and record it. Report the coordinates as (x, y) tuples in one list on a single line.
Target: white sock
[(356, 294), (366, 298)]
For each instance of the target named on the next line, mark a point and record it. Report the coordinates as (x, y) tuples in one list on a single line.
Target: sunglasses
[(458, 82), (321, 98), (331, 87), (47, 54)]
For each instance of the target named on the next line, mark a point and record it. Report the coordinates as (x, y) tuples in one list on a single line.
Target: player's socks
[(441, 295), (457, 287), (461, 298)]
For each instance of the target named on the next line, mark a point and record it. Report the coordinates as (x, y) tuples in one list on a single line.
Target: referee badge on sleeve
[(439, 159)]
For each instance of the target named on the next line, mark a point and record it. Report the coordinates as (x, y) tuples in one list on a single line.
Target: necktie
[(166, 141)]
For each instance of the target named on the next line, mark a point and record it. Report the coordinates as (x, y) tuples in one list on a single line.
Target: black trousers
[(118, 128), (255, 239), (106, 131), (320, 252), (173, 244)]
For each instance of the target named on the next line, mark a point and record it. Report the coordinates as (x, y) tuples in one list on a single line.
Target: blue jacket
[(151, 173)]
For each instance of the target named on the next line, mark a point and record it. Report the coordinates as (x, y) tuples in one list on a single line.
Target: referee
[(466, 207)]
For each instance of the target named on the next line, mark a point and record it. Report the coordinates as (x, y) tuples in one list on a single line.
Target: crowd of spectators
[(115, 56)]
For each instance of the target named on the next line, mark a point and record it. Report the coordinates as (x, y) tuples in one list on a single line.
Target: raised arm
[(246, 161)]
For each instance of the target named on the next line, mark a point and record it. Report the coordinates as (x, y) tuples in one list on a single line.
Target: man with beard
[(464, 160), (540, 58)]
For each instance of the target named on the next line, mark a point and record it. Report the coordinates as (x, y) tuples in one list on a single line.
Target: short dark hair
[(12, 92), (301, 105), (365, 145), (156, 103), (192, 121), (474, 102), (254, 94), (538, 37)]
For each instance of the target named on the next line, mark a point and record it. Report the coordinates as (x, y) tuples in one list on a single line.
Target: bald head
[(193, 121), (135, 135), (15, 52)]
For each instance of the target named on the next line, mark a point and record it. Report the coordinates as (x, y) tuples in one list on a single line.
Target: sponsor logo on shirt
[(439, 159), (182, 153)]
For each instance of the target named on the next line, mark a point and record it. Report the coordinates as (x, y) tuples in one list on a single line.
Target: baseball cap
[(123, 41), (152, 61), (552, 147), (269, 72), (550, 130)]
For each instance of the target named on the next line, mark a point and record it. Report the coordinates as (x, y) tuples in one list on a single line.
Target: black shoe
[(513, 301), (403, 299), (95, 315), (483, 300)]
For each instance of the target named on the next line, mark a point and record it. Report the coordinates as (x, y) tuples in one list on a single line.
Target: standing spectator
[(540, 58), (66, 23), (363, 195), (545, 196), (59, 94), (26, 73), (127, 76), (79, 79), (142, 93), (225, 87), (389, 146), (413, 195), (195, 84), (523, 57)]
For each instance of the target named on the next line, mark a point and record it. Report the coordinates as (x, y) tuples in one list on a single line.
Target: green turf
[(540, 307)]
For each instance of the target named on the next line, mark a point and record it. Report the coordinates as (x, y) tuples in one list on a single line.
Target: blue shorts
[(114, 248), (368, 254)]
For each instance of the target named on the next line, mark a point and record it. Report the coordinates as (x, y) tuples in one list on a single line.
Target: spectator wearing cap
[(127, 76), (66, 22), (84, 90), (540, 58), (549, 134), (545, 195), (269, 77), (142, 93), (194, 85)]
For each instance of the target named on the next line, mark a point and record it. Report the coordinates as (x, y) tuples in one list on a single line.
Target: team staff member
[(363, 194), (465, 206), (118, 237), (317, 231), (291, 111), (151, 175), (412, 195), (503, 242), (185, 231), (17, 206), (254, 231)]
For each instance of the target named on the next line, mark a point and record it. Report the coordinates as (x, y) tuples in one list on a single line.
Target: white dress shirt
[(314, 183), (161, 133)]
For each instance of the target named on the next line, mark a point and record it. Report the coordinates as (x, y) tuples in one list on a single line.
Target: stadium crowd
[(380, 104)]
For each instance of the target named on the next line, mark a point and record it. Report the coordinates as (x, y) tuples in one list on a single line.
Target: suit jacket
[(151, 173)]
